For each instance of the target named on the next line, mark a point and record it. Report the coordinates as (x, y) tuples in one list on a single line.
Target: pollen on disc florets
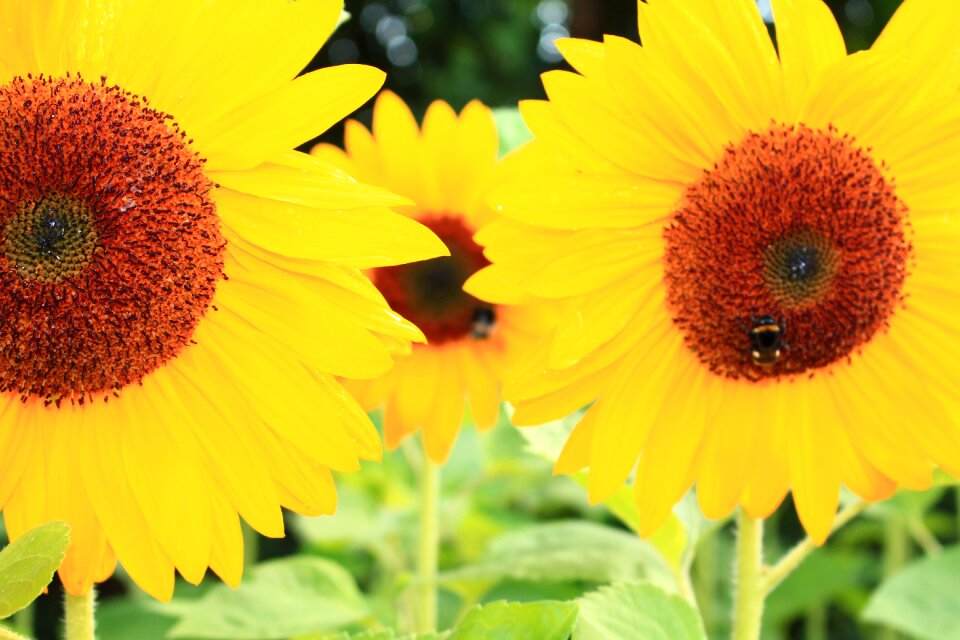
[(111, 246), (787, 256), (430, 293)]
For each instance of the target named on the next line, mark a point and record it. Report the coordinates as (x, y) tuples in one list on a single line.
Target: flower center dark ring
[(50, 240), (800, 268)]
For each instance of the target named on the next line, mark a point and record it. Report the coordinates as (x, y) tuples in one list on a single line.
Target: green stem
[(706, 579), (922, 535), (896, 552), (750, 591), (778, 572), (816, 623), (685, 585), (429, 547), (79, 615)]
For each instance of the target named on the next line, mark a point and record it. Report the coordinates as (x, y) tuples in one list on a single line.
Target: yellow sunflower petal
[(442, 422), (586, 56), (808, 40), (398, 139), (624, 420), (226, 555), (312, 184), (667, 467), (814, 476), (361, 238), (161, 450), (286, 117), (105, 478), (575, 455)]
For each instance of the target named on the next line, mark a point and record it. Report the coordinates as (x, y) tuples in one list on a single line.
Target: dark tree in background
[(495, 50)]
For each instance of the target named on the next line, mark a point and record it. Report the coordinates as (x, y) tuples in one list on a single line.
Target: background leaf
[(509, 620), (562, 551), (638, 611), (923, 599), (27, 565), (291, 597), (511, 128)]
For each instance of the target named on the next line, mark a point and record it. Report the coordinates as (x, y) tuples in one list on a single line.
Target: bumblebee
[(766, 340), (484, 320)]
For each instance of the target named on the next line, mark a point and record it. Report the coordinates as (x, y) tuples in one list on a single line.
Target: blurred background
[(495, 50)]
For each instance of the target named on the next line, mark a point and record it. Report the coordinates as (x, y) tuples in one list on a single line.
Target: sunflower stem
[(429, 547), (748, 610), (79, 614), (896, 552), (788, 563), (922, 535)]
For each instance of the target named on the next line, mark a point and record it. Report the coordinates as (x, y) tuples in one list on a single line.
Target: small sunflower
[(446, 170), (179, 288), (756, 250)]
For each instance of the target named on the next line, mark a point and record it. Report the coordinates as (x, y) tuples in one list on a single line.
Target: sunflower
[(446, 170), (179, 288), (756, 253)]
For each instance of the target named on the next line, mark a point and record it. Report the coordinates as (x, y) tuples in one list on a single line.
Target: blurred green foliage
[(495, 50)]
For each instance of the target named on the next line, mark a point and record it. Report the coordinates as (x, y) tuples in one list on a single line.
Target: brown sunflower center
[(787, 256), (111, 245), (430, 294)]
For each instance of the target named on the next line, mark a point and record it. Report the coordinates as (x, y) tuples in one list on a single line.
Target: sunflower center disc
[(430, 294), (111, 246), (787, 256)]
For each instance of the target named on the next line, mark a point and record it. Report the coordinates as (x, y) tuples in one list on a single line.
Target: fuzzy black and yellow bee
[(767, 340), (483, 322)]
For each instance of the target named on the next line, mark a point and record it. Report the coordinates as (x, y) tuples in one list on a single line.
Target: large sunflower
[(179, 287), (756, 248), (446, 170)]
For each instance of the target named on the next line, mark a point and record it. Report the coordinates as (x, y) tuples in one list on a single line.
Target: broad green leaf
[(294, 596), (27, 565), (122, 619), (512, 129), (922, 600), (637, 611), (562, 551), (508, 620)]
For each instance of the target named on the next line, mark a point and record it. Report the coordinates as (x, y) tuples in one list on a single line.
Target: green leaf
[(27, 565), (122, 619), (562, 551), (512, 129), (922, 600), (385, 634), (294, 596), (509, 620), (637, 611)]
